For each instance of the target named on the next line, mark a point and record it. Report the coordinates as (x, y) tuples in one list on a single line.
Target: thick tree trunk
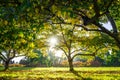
[(70, 61), (6, 65)]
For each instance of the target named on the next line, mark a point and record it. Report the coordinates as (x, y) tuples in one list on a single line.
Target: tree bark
[(6, 65), (115, 30), (70, 61), (112, 22)]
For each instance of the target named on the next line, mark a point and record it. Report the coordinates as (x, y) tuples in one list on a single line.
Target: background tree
[(17, 35), (73, 42)]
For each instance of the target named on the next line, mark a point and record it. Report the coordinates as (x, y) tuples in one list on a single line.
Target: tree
[(92, 12), (27, 16), (7, 56), (17, 29), (73, 41)]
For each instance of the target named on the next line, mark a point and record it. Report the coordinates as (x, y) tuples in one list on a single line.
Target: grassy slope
[(88, 73)]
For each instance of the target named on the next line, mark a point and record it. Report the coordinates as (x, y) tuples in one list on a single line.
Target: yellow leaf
[(29, 37), (31, 45), (23, 41), (21, 35), (30, 14), (34, 29), (5, 22), (54, 8), (37, 10), (59, 13)]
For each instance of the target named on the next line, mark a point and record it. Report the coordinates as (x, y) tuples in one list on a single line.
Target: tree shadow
[(78, 75)]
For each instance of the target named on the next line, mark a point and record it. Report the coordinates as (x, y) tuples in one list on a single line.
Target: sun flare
[(53, 41)]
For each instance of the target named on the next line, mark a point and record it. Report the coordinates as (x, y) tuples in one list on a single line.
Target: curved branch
[(82, 26), (62, 50), (93, 54), (112, 23)]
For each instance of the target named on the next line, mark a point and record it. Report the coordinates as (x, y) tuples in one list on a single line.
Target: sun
[(53, 41)]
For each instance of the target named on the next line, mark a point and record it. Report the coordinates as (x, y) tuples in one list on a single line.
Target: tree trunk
[(6, 65), (115, 30), (117, 40), (70, 61)]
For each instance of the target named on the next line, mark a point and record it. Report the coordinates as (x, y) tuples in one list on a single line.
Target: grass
[(59, 73)]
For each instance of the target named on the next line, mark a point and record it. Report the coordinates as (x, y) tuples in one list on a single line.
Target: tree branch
[(112, 23), (78, 50), (14, 52), (96, 8), (79, 25), (93, 54), (64, 37), (2, 57), (62, 50), (4, 3)]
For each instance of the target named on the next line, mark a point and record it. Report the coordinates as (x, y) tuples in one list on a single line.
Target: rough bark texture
[(70, 61), (6, 65)]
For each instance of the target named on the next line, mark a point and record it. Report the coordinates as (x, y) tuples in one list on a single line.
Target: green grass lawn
[(59, 73)]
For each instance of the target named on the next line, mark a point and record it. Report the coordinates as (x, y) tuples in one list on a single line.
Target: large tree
[(16, 31), (29, 15), (90, 12)]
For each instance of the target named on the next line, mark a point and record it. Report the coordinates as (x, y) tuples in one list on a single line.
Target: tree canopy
[(22, 21)]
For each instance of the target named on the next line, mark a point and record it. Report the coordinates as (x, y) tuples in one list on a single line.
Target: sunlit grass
[(57, 73)]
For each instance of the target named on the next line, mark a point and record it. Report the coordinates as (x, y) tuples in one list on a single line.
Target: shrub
[(64, 63), (96, 63), (16, 65), (78, 63), (1, 65)]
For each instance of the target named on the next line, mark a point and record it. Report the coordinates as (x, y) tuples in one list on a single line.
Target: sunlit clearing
[(53, 41), (58, 53)]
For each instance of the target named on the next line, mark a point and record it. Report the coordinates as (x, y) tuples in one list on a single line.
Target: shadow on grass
[(77, 74), (80, 77), (16, 69)]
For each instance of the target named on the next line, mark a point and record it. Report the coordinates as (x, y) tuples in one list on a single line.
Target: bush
[(16, 65), (78, 63), (1, 65), (64, 63), (96, 63)]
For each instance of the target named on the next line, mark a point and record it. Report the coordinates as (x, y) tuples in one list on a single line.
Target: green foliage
[(35, 59), (21, 22), (113, 59), (1, 65)]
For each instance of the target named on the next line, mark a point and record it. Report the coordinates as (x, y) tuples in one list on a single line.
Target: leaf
[(21, 34), (6, 22), (31, 45), (36, 10)]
